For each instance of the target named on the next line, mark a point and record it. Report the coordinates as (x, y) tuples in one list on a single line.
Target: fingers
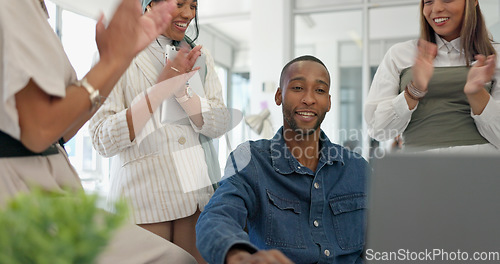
[(427, 50), (480, 59), (193, 55), (99, 27), (161, 14), (480, 74), (490, 65), (423, 68), (280, 257), (488, 62), (186, 58), (130, 9), (268, 257), (491, 61)]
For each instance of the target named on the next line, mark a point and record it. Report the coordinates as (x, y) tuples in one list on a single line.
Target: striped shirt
[(165, 177)]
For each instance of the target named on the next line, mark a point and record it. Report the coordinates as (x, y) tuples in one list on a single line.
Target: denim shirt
[(312, 217)]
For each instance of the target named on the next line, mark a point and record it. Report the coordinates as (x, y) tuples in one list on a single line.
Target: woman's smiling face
[(445, 17), (181, 17)]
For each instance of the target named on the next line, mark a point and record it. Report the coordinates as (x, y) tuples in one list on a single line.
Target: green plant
[(47, 227)]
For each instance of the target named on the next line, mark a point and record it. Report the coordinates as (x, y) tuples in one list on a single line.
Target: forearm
[(216, 118), (478, 101), (221, 225), (388, 118), (192, 107), (44, 119), (217, 236), (145, 105), (75, 128)]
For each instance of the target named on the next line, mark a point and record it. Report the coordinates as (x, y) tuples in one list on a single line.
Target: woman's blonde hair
[(474, 36)]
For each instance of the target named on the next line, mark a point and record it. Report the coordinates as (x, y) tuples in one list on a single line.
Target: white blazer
[(162, 178)]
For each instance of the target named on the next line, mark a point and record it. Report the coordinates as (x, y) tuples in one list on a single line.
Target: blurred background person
[(43, 104), (151, 175), (440, 92)]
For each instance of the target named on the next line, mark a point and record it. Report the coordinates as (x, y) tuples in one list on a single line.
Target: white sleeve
[(108, 127), (488, 122), (216, 119), (386, 110)]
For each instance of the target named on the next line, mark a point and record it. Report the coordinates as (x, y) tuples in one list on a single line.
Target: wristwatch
[(186, 96), (94, 96)]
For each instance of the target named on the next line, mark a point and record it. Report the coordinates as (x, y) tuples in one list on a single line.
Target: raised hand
[(480, 74), (423, 69), (182, 63), (129, 31)]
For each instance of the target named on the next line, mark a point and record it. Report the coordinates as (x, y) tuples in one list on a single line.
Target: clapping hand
[(480, 74), (423, 69), (129, 31), (182, 63)]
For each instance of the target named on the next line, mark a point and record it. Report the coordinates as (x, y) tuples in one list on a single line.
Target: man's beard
[(288, 115)]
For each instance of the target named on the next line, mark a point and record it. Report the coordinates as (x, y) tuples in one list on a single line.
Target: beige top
[(29, 49), (165, 177)]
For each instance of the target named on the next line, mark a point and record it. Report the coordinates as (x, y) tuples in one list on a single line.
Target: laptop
[(431, 208)]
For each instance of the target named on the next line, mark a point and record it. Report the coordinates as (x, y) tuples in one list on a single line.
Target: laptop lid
[(434, 208)]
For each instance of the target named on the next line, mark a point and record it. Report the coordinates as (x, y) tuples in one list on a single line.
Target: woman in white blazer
[(164, 177)]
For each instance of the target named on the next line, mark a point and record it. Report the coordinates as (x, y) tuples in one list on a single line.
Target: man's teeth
[(440, 20), (306, 113), (181, 24)]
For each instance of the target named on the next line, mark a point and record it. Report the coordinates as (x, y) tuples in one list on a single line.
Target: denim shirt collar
[(285, 163)]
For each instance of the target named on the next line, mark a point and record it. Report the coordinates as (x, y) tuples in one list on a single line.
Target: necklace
[(159, 44), (446, 45)]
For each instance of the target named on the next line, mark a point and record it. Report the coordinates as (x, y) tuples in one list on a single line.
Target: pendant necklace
[(446, 44)]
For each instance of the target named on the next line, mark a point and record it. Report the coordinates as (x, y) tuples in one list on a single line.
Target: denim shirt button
[(316, 223), (316, 185), (327, 252)]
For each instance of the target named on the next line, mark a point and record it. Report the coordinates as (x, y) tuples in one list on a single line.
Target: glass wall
[(300, 4), (77, 35), (335, 31), (336, 38)]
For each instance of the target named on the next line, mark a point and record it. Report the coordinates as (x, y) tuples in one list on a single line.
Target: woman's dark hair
[(197, 29)]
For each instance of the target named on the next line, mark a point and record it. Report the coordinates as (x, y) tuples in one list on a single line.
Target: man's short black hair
[(301, 58)]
